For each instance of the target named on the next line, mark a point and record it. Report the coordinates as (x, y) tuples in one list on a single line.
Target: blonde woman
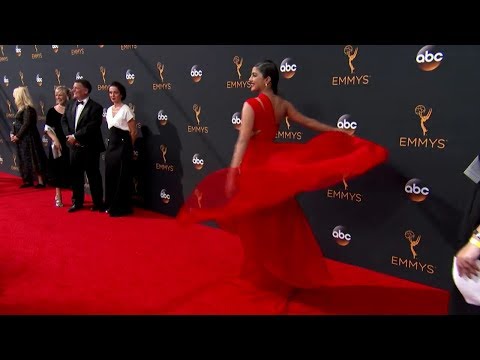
[(59, 154), (26, 137)]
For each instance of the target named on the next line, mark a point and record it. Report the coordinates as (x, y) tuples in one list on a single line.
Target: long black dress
[(59, 168), (31, 156), (118, 164)]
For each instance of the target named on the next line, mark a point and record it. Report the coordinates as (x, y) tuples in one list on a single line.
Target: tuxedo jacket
[(88, 132)]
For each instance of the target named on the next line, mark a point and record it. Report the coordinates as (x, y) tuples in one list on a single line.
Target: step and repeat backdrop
[(419, 101)]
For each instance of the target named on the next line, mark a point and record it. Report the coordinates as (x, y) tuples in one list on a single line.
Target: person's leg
[(95, 180), (77, 173)]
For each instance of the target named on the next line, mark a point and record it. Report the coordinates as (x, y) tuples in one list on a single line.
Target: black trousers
[(86, 160), (118, 172)]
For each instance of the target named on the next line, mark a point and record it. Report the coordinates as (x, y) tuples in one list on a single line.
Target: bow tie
[(80, 103)]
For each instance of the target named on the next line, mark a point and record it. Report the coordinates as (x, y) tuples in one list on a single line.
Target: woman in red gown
[(258, 202)]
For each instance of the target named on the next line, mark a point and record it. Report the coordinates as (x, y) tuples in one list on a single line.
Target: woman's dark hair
[(121, 88), (268, 68)]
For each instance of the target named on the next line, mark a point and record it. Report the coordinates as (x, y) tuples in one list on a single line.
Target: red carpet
[(54, 262)]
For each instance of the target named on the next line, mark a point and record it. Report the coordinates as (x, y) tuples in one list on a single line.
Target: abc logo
[(162, 117), (55, 48), (236, 120), (428, 59), (196, 73), (345, 123), (341, 236), (5, 80), (197, 162), (164, 196), (130, 76), (416, 191), (78, 76), (104, 114), (288, 68), (39, 80), (18, 51)]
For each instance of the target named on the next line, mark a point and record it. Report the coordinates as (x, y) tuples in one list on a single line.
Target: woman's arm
[(29, 115), (244, 135), (132, 128), (306, 121)]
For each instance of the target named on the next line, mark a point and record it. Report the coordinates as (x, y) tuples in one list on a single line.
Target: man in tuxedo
[(81, 124)]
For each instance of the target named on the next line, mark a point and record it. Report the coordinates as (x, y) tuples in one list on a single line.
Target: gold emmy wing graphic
[(420, 111), (42, 106), (410, 236), (36, 48), (238, 61), (9, 104), (199, 196), (287, 122), (163, 149), (197, 109), (351, 54), (21, 77), (160, 68), (14, 160), (345, 185), (57, 72), (103, 71), (1, 50)]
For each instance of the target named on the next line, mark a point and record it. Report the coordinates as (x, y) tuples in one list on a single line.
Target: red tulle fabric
[(262, 210)]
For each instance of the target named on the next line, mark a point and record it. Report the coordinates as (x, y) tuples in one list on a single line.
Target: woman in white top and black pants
[(119, 154)]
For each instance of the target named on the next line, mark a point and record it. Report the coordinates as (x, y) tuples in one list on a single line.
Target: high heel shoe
[(58, 201)]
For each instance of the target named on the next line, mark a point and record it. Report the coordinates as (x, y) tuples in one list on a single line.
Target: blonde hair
[(22, 98), (65, 90)]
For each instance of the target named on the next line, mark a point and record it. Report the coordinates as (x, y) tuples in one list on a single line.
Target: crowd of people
[(74, 127)]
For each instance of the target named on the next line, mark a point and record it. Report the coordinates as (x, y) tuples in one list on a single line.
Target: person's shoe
[(118, 213), (58, 201), (75, 208), (25, 185), (39, 186), (99, 208)]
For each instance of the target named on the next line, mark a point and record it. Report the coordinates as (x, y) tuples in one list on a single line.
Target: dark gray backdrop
[(382, 93)]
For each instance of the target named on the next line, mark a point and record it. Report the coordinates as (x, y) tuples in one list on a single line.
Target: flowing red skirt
[(263, 211)]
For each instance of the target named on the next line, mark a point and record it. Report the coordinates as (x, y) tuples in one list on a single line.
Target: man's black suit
[(85, 155)]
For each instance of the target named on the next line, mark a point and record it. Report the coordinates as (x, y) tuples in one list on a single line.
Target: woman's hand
[(57, 145), (467, 260), (255, 132), (231, 184)]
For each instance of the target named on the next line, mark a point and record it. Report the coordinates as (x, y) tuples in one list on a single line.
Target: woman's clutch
[(56, 152)]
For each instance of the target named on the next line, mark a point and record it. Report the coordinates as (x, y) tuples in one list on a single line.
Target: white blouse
[(121, 118)]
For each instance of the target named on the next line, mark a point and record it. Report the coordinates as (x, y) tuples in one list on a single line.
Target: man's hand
[(71, 140)]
